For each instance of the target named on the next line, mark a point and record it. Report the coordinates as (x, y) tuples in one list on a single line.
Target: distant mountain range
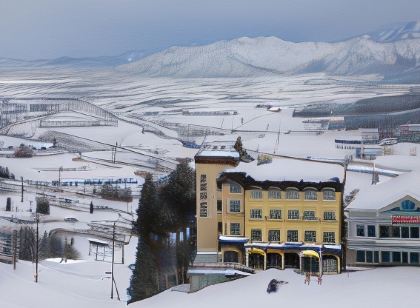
[(392, 52), (245, 57), (103, 61)]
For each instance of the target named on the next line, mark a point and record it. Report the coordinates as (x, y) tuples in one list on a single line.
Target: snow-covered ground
[(379, 287), (152, 123)]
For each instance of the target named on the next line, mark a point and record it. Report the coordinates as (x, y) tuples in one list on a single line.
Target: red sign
[(405, 220)]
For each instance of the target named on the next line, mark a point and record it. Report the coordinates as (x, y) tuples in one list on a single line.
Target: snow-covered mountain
[(396, 32), (102, 61), (244, 57)]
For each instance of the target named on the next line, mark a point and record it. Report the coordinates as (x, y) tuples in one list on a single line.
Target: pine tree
[(146, 212), (44, 247), (91, 207), (144, 281), (179, 192), (8, 204), (27, 244)]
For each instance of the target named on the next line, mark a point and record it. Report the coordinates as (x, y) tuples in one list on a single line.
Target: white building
[(383, 223)]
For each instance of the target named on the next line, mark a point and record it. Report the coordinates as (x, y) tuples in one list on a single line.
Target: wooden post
[(37, 248), (112, 266)]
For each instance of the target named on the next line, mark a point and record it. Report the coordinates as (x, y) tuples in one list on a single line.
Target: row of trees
[(42, 205), (50, 246), (116, 193), (164, 209), (6, 174)]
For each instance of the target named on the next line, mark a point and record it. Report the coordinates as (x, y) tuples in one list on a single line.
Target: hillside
[(246, 57)]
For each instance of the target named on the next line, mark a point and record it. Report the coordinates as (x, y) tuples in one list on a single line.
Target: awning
[(310, 253), (256, 250)]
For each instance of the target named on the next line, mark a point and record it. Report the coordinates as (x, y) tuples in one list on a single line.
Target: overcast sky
[(53, 28)]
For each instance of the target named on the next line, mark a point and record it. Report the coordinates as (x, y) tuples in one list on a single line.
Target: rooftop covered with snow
[(217, 150), (290, 170), (375, 197)]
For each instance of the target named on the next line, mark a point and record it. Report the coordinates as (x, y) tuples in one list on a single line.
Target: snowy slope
[(244, 57), (400, 31)]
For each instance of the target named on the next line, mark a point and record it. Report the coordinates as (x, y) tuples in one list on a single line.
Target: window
[(274, 194), (329, 237), (408, 205), (376, 256), (360, 256), (235, 228), (329, 215), (369, 256), (235, 188), (405, 232), (309, 215), (256, 214), (328, 194), (405, 257), (219, 205), (292, 194), (310, 236), (275, 214), (385, 256), (414, 258), (395, 231), (220, 227), (256, 194), (310, 194), (396, 257), (256, 235), (235, 206), (360, 230), (274, 235), (293, 214), (414, 232), (384, 231), (292, 235), (371, 231)]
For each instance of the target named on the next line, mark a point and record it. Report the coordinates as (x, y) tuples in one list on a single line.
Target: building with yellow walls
[(283, 213)]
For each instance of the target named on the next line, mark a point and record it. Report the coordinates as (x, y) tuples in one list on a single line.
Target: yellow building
[(285, 213)]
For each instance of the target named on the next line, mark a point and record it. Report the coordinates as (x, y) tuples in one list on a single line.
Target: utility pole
[(112, 266), (37, 248), (115, 152), (59, 176), (21, 199)]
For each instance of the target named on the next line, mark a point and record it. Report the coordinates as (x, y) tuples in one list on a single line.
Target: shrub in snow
[(24, 151), (42, 205), (8, 204)]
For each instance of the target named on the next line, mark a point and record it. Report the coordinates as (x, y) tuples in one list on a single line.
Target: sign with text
[(203, 196), (397, 219)]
